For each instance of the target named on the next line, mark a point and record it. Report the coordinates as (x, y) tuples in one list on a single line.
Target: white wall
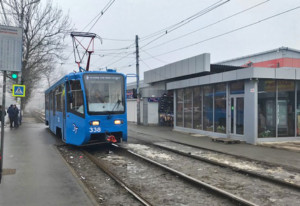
[(131, 110), (153, 113)]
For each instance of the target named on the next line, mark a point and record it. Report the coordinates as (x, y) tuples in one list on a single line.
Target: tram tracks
[(271, 179), (156, 187), (221, 197), (288, 177), (115, 177), (255, 188)]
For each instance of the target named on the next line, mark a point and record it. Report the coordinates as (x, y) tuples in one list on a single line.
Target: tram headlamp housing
[(117, 121), (95, 123)]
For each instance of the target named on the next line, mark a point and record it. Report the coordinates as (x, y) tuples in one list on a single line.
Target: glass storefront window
[(197, 108), (188, 100), (179, 108), (298, 109), (266, 108), (286, 108), (208, 108), (239, 115), (220, 108)]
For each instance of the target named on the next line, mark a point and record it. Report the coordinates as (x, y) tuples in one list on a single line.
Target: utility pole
[(2, 124), (2, 109), (137, 81)]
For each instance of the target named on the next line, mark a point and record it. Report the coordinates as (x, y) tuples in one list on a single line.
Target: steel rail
[(238, 156), (117, 179), (220, 152), (191, 179), (243, 171)]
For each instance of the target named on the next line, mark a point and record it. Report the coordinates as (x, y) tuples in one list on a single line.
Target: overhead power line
[(127, 54), (166, 31), (99, 15), (229, 32), (174, 25), (146, 64), (109, 39), (171, 28), (112, 63), (209, 25), (153, 56)]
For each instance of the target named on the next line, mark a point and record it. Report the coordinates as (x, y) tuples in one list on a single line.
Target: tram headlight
[(117, 121), (95, 123)]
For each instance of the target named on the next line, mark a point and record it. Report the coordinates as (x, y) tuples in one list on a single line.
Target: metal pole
[(137, 80), (2, 123)]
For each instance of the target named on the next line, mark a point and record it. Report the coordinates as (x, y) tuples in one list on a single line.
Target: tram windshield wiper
[(117, 104)]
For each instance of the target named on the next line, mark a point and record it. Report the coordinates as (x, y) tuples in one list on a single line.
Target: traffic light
[(134, 93), (14, 75)]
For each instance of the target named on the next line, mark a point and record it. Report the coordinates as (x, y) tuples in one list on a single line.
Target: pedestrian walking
[(10, 112), (16, 116)]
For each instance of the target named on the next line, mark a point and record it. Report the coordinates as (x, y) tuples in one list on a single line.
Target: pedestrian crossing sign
[(18, 90)]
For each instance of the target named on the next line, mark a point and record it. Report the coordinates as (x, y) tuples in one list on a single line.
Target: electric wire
[(153, 57), (110, 39), (174, 27), (229, 32), (146, 64), (209, 25), (105, 55), (184, 22), (119, 59), (177, 24), (108, 5)]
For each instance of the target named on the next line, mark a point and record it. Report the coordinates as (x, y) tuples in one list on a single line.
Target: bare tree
[(52, 75), (44, 30)]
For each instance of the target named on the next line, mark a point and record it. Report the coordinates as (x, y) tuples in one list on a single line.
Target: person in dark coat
[(11, 112), (16, 116), (1, 114)]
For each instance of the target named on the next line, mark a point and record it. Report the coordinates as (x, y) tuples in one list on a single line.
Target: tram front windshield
[(104, 93)]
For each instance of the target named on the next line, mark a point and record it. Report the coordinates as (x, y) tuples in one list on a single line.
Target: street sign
[(18, 90), (11, 48)]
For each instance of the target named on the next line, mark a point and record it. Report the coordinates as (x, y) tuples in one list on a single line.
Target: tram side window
[(63, 97), (47, 101), (58, 94), (75, 97), (53, 102)]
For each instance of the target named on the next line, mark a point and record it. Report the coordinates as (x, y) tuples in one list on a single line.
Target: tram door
[(74, 116), (237, 115)]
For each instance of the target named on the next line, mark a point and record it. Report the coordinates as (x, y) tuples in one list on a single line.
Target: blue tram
[(87, 107)]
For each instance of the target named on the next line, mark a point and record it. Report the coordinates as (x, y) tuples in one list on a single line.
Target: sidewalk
[(260, 153), (42, 177)]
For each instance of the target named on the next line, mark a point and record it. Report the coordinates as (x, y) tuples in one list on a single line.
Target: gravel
[(105, 190), (157, 186), (278, 172), (250, 188)]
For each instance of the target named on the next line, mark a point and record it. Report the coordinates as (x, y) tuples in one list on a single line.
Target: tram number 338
[(95, 129)]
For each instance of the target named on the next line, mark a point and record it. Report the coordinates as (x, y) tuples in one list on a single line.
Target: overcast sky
[(126, 18)]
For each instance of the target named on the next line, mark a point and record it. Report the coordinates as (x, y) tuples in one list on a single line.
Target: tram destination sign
[(10, 48)]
